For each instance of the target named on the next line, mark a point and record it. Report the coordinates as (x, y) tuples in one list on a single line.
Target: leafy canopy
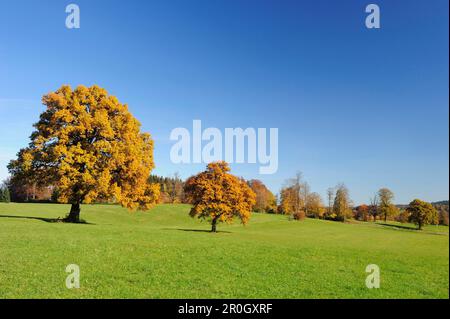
[(422, 213), (342, 203), (90, 146), (219, 196)]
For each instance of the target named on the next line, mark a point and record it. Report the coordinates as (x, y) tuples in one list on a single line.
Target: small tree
[(314, 205), (393, 211), (330, 198), (265, 200), (342, 203), (403, 216), (218, 196), (373, 208), (422, 213), (89, 146), (294, 196), (300, 215), (6, 195), (386, 196), (362, 213), (288, 201)]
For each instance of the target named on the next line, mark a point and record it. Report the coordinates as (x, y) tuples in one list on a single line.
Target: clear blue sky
[(365, 107)]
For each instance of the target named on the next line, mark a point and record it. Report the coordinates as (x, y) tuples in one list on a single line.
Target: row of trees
[(218, 196), (171, 191), (87, 147), (22, 190), (443, 212), (298, 201), (381, 206)]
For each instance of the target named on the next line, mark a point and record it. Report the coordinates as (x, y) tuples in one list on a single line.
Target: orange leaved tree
[(90, 147), (218, 196)]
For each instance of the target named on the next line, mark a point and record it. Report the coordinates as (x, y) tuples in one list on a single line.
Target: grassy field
[(164, 253)]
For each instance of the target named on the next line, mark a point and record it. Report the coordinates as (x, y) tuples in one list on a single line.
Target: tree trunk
[(385, 218), (74, 215), (214, 224)]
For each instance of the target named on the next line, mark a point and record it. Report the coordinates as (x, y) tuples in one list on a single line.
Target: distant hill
[(439, 203), (442, 202)]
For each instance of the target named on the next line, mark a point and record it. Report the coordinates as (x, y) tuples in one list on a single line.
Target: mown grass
[(164, 253)]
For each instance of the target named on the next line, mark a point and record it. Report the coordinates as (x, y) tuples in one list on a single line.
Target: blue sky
[(365, 107)]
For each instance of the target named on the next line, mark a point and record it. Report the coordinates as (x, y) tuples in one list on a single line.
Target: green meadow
[(163, 253)]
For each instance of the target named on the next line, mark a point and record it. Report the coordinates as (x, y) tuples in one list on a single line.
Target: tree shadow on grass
[(198, 230), (398, 226), (414, 229), (47, 220)]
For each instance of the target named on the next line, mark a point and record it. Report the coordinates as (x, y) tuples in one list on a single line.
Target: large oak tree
[(90, 147)]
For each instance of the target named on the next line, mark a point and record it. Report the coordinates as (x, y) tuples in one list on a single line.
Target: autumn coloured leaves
[(90, 147), (218, 196)]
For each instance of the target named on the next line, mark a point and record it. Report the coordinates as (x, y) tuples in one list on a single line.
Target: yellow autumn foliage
[(90, 146)]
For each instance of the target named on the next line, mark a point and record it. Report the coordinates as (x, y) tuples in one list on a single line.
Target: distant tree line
[(21, 190), (442, 208), (171, 188), (295, 199)]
